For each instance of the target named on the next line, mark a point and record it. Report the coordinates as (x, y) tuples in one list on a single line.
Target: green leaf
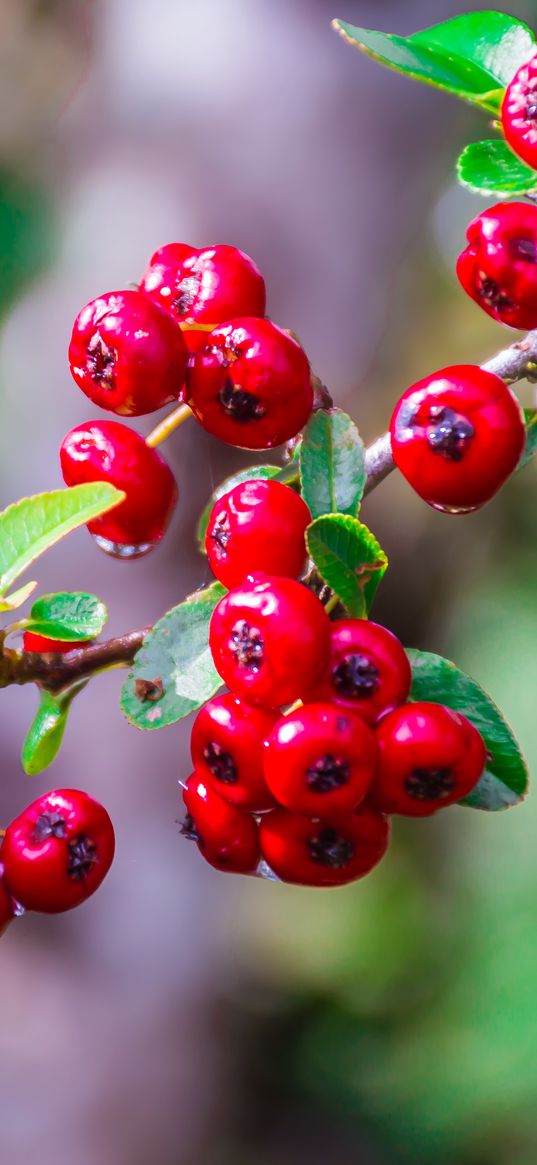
[(491, 167), (348, 558), (284, 473), (332, 464), (32, 525), (530, 449), (45, 734), (505, 780), (71, 616), (17, 598), (472, 56), (173, 672)]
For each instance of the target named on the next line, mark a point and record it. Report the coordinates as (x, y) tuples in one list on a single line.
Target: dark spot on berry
[(82, 857), (149, 691), (523, 249), (220, 763), (239, 404), (430, 784), (328, 773), (49, 825), (329, 848), (449, 433), (493, 295), (101, 362), (187, 291), (531, 106), (189, 829), (355, 677), (247, 646), (221, 532)]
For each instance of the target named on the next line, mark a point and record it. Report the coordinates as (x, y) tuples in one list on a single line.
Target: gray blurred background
[(182, 1017)]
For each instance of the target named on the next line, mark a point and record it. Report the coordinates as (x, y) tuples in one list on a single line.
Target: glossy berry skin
[(320, 760), (109, 451), (227, 837), (429, 757), (519, 113), (457, 436), (331, 852), (33, 642), (250, 385), (7, 906), (257, 526), (57, 852), (267, 638), (227, 746), (368, 672), (127, 355), (498, 268)]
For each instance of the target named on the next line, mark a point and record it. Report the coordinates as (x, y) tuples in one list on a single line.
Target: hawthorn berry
[(368, 670), (519, 113), (127, 355), (33, 642), (7, 905), (498, 268), (227, 837), (109, 451), (257, 526), (268, 638), (320, 760), (339, 849), (457, 436), (227, 746), (57, 851), (429, 757), (250, 385)]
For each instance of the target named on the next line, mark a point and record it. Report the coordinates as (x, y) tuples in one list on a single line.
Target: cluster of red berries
[(54, 855), (309, 791)]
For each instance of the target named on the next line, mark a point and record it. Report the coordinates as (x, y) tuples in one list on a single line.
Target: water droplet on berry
[(121, 549)]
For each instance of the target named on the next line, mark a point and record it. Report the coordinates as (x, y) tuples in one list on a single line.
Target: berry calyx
[(268, 638), (457, 436), (227, 838), (498, 268), (429, 757), (109, 451), (332, 852), (368, 672), (57, 852), (320, 760), (258, 526), (250, 385), (127, 355), (519, 113), (227, 746)]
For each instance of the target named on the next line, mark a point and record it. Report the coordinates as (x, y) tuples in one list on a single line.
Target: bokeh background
[(182, 1017)]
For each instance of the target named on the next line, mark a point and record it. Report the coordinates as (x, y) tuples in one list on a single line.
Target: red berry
[(33, 642), (207, 286), (499, 266), (519, 113), (457, 436), (368, 671), (257, 526), (109, 451), (331, 852), (320, 760), (227, 838), (269, 637), (127, 355), (227, 745), (429, 757), (57, 852), (250, 385), (7, 905)]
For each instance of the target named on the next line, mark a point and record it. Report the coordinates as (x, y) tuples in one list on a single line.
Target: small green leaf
[(32, 525), (348, 558), (530, 449), (505, 780), (472, 56), (491, 167), (45, 734), (284, 473), (71, 616), (17, 598), (332, 464), (173, 672)]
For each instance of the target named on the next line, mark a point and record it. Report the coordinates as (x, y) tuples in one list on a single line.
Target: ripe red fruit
[(269, 637), (127, 355), (429, 757), (227, 745), (320, 760), (368, 671), (457, 436), (250, 385), (33, 642), (57, 851), (499, 266), (227, 838), (7, 906), (109, 451), (257, 526), (331, 852), (519, 113)]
